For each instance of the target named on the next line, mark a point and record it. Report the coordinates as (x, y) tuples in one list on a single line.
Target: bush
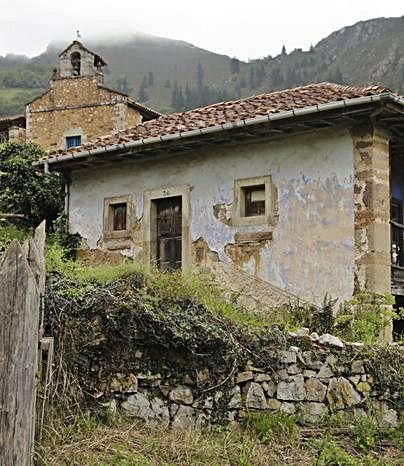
[(10, 232), (26, 189), (365, 432), (328, 452), (364, 317)]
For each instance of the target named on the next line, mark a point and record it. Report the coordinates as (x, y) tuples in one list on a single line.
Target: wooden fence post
[(22, 281)]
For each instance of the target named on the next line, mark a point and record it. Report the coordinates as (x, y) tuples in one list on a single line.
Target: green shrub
[(364, 317), (326, 451), (9, 232), (25, 188), (365, 432), (270, 425)]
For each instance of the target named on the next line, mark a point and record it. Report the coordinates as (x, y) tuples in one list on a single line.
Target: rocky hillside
[(172, 75)]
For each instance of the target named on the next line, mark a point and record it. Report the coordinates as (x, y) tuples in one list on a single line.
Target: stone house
[(12, 128), (78, 107), (292, 193)]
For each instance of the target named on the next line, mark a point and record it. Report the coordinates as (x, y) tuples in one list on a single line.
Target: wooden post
[(22, 279)]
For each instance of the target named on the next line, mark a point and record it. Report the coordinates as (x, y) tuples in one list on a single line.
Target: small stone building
[(292, 193), (78, 108), (12, 128)]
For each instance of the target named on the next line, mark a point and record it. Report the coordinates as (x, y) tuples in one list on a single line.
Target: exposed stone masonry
[(313, 379)]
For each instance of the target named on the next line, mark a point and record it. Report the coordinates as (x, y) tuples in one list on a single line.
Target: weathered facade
[(284, 194), (78, 108), (313, 210)]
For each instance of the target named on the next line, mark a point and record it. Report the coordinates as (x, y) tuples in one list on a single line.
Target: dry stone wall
[(315, 376)]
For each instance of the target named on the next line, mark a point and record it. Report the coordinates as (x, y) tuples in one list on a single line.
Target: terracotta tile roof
[(230, 112)]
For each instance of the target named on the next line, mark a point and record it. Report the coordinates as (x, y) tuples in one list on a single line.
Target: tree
[(150, 78), (25, 188), (123, 84), (200, 74), (234, 66), (177, 98), (252, 78), (283, 50), (142, 95)]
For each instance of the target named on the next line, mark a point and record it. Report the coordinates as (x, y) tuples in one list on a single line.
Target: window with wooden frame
[(254, 201), (117, 216)]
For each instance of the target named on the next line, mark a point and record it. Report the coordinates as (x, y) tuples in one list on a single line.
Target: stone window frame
[(72, 132), (150, 222), (238, 217), (109, 202)]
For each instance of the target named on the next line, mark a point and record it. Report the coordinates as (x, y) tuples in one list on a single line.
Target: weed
[(365, 432), (270, 425), (327, 451)]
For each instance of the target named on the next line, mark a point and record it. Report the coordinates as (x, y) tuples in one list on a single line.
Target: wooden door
[(169, 233)]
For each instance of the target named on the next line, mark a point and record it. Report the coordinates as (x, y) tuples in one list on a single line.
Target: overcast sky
[(246, 29)]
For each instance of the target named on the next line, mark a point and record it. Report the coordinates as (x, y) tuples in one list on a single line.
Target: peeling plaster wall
[(312, 249)]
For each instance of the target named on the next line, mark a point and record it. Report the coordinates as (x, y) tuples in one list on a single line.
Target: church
[(77, 108)]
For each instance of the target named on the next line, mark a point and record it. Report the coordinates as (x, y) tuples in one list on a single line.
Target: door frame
[(150, 222)]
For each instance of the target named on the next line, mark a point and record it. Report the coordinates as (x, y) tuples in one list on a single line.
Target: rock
[(355, 379), (302, 332), (311, 413), (288, 408), (310, 360), (314, 336), (273, 404), (288, 357), (173, 408), (184, 418), (315, 390), (270, 389), (117, 383), (217, 396), (357, 367), (202, 422), (262, 378), (364, 387), (325, 372), (330, 340), (255, 398), (131, 385), (309, 374), (160, 411), (209, 402), (292, 389), (389, 417), (294, 369), (138, 354), (282, 374), (138, 406), (244, 376), (331, 360), (203, 375), (341, 393), (235, 401), (181, 394), (363, 377), (111, 407)]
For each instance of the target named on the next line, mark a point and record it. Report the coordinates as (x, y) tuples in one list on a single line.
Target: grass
[(88, 442), (197, 287)]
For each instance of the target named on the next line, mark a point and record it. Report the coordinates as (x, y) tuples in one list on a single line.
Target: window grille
[(73, 141)]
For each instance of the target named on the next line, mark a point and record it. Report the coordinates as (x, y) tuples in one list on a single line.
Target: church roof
[(97, 58)]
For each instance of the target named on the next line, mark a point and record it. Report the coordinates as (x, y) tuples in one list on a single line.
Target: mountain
[(172, 75)]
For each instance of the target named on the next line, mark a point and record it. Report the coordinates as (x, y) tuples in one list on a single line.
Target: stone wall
[(315, 376), (80, 106)]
